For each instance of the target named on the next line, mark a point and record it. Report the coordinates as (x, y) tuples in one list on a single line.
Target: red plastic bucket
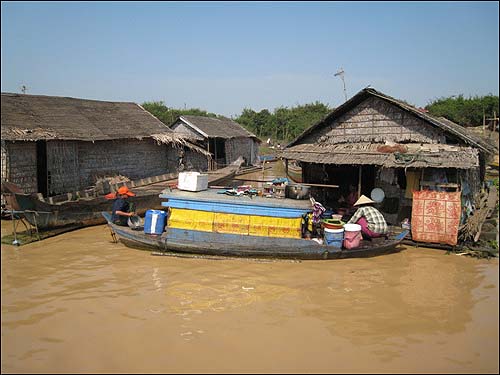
[(352, 235)]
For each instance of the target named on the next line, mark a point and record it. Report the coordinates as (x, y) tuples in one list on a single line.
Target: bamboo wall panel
[(62, 167), (21, 168), (236, 147), (196, 161), (131, 158), (75, 165), (374, 120)]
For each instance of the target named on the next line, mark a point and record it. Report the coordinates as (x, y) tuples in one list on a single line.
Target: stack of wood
[(471, 229)]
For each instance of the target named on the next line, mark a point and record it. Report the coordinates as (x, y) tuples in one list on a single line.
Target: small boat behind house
[(293, 170), (213, 223)]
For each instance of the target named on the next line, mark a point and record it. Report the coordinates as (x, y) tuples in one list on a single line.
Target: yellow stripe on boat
[(191, 219), (234, 223), (275, 227)]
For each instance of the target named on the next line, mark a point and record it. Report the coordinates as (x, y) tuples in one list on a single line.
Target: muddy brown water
[(78, 303)]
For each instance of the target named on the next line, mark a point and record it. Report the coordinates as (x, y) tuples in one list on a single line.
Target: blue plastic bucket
[(154, 221), (334, 237)]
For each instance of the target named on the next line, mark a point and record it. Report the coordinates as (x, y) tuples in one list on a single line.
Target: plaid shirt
[(376, 222)]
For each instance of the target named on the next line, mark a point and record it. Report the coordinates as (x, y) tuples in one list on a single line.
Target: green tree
[(284, 123), (465, 111), (169, 115)]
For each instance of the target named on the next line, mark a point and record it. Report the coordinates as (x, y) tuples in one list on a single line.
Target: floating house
[(223, 138), (375, 141), (53, 145)]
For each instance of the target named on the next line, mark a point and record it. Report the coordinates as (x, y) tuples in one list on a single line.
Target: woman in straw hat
[(121, 207), (371, 220)]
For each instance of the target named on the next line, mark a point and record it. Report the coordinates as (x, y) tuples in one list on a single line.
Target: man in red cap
[(121, 207)]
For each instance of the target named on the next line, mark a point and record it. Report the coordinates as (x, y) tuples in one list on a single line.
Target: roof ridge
[(432, 120), (63, 97)]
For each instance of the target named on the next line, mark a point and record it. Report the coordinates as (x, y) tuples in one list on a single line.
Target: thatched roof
[(37, 117), (177, 140), (209, 127), (452, 129), (415, 155)]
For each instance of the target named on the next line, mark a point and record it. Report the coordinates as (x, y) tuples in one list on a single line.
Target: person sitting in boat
[(370, 219), (121, 207)]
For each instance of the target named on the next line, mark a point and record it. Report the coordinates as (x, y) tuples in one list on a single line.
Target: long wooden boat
[(184, 241), (294, 171), (86, 211), (211, 223)]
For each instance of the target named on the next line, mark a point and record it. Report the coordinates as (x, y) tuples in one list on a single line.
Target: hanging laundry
[(412, 183), (318, 210), (436, 216)]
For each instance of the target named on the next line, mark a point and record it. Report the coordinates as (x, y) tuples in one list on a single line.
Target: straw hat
[(125, 191), (363, 200)]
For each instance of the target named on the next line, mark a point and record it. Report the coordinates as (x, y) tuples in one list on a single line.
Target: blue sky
[(227, 56)]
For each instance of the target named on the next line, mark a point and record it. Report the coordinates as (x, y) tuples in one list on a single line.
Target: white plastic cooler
[(192, 181)]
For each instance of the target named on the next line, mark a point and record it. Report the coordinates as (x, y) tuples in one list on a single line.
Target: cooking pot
[(135, 222), (297, 191)]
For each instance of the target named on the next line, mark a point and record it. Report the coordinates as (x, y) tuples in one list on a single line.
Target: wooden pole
[(215, 151), (359, 181), (484, 122), (318, 185), (16, 242), (494, 121), (208, 149)]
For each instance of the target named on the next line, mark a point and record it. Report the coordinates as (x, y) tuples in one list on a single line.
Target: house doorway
[(218, 150)]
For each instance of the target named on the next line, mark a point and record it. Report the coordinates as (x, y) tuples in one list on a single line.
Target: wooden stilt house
[(376, 141)]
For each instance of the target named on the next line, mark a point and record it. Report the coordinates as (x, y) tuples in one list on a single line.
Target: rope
[(407, 159)]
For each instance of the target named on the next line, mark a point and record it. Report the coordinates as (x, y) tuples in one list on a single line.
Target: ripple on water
[(198, 297)]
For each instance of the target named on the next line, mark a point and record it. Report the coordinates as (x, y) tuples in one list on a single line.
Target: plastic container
[(332, 224), (154, 221), (352, 235), (334, 237), (192, 181)]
